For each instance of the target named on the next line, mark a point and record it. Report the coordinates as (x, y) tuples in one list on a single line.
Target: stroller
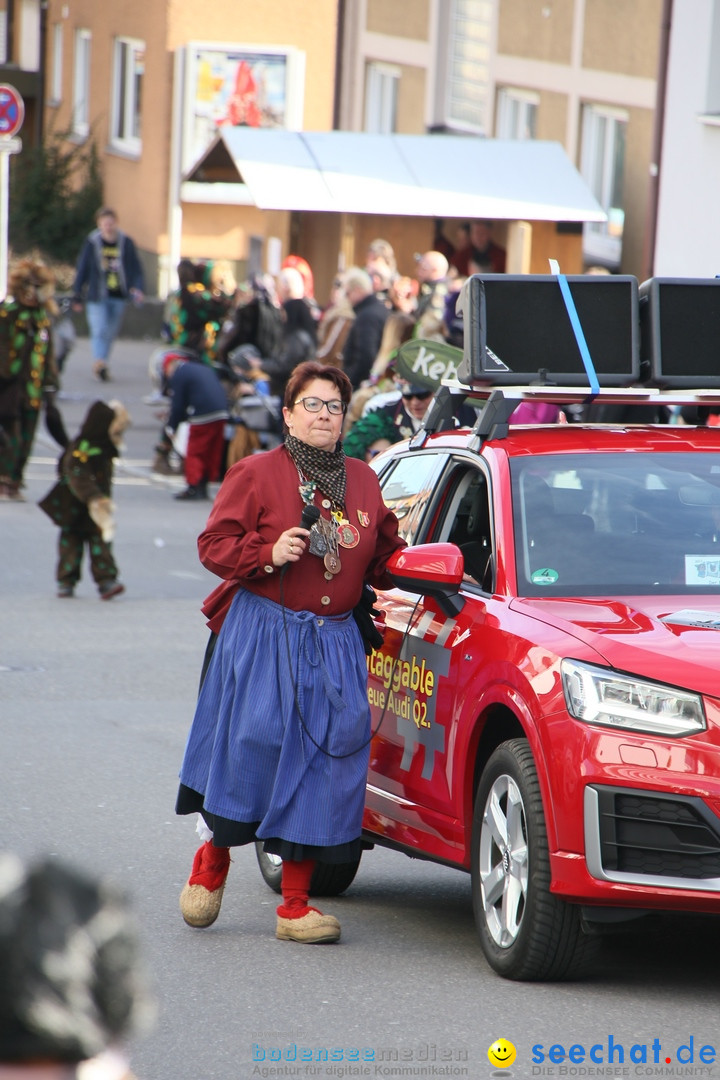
[(255, 414)]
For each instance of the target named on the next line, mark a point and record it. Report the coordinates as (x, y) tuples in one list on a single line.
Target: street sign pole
[(12, 114)]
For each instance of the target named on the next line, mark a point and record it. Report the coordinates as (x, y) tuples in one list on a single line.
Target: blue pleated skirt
[(280, 737)]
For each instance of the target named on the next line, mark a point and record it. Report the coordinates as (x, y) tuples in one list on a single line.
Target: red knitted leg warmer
[(210, 866), (296, 888)]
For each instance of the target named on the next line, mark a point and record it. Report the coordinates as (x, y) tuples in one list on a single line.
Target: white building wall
[(688, 226)]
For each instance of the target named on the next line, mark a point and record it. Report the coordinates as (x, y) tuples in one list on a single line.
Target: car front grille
[(647, 834)]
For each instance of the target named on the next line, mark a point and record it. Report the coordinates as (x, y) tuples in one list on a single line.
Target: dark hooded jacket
[(299, 343), (85, 470)]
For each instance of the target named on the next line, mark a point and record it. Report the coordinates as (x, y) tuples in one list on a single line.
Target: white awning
[(402, 175)]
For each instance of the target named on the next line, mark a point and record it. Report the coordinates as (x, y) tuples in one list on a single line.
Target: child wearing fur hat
[(80, 502), (28, 373), (74, 985)]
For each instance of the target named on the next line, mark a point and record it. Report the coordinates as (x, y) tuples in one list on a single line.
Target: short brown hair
[(313, 369), (105, 211)]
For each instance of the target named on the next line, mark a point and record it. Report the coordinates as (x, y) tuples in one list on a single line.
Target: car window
[(408, 487), (465, 519), (598, 524)]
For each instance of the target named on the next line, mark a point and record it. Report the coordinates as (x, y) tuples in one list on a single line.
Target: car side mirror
[(434, 570)]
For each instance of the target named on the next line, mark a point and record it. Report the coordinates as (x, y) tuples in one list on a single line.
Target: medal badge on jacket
[(324, 544)]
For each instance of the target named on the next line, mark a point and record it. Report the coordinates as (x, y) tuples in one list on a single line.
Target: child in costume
[(80, 502), (28, 373)]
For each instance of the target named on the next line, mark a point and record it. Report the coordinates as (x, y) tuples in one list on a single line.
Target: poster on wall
[(239, 86)]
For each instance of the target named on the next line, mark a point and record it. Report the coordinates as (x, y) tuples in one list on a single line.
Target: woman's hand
[(289, 546)]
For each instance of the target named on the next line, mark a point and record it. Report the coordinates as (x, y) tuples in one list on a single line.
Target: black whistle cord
[(372, 734)]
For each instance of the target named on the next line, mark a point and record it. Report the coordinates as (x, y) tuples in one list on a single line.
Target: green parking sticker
[(545, 576)]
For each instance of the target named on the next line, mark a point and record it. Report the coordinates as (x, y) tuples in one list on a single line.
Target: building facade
[(22, 44), (152, 83), (149, 82), (585, 72), (687, 240), (580, 72)]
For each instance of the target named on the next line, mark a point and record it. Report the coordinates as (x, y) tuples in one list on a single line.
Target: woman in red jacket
[(278, 749)]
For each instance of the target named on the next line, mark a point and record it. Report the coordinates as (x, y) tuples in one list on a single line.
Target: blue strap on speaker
[(577, 328)]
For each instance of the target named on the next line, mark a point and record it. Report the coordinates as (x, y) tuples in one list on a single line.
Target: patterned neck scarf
[(327, 470)]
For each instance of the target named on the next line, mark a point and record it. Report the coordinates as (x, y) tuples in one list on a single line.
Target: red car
[(548, 694), (552, 698), (546, 703)]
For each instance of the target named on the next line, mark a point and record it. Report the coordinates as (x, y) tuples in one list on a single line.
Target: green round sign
[(544, 576), (428, 363)]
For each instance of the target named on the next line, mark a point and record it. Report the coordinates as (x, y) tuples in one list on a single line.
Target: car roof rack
[(496, 404), (581, 339)]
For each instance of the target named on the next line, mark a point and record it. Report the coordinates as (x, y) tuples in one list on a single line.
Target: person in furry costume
[(74, 984), (80, 502), (196, 311), (28, 373)]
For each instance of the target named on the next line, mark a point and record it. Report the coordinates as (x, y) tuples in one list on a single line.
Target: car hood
[(670, 639)]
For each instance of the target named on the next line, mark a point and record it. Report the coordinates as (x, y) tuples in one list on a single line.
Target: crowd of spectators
[(253, 337)]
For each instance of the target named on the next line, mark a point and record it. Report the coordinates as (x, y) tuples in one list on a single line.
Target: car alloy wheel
[(526, 932), (503, 861)]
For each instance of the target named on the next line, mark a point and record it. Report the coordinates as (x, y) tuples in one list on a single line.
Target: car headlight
[(598, 695)]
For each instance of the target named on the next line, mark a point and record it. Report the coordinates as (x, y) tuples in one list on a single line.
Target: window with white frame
[(603, 166), (381, 90), (3, 37), (57, 64), (26, 53), (516, 114), (128, 72), (712, 104), (81, 83), (464, 71)]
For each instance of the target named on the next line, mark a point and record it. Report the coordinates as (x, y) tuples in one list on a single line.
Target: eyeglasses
[(421, 397), (315, 404)]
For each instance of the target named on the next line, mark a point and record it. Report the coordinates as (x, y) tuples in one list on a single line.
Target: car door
[(415, 795)]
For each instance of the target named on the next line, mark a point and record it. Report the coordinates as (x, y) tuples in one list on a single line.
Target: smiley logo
[(502, 1053)]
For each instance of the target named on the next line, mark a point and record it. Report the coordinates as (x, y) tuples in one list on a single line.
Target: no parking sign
[(12, 110)]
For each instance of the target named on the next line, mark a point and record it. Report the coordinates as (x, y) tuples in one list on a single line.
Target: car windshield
[(617, 524)]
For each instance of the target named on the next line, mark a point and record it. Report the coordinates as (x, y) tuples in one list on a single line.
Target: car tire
[(327, 879), (526, 933)]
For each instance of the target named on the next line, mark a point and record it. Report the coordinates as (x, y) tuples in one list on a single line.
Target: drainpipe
[(337, 117), (42, 75), (10, 32), (654, 186), (339, 42)]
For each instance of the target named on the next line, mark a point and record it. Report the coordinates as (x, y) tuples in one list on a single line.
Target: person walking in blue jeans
[(108, 273)]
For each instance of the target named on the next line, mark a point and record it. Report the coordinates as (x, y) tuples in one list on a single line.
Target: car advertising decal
[(702, 570), (407, 688)]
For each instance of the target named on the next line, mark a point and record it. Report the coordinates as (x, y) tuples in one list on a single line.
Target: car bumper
[(640, 820), (643, 849)]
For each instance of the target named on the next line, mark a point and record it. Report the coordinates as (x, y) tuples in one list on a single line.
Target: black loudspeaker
[(680, 332), (517, 329)]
